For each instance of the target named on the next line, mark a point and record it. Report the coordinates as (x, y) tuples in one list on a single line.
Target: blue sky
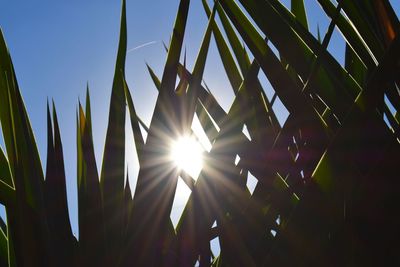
[(57, 47)]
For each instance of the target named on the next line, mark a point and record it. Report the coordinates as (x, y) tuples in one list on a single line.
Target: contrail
[(142, 45)]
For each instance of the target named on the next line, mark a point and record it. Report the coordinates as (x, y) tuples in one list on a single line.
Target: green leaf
[(350, 32), (237, 47), (262, 117), (25, 167), (363, 18), (298, 9), (137, 134), (207, 110), (3, 246), (127, 208), (197, 75), (175, 47), (112, 170), (17, 131), (90, 204), (7, 194), (56, 198), (5, 174), (88, 114), (354, 66), (5, 110), (331, 81), (157, 178), (189, 181), (287, 89), (206, 122), (388, 22), (154, 77), (209, 190), (231, 69), (319, 35), (392, 120)]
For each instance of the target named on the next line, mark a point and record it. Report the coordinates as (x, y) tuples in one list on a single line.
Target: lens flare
[(187, 154)]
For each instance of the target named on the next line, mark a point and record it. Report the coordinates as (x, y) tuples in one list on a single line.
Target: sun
[(187, 154)]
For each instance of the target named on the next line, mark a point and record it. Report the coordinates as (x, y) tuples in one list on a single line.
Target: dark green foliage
[(327, 179)]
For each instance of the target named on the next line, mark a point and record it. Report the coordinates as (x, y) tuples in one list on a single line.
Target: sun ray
[(187, 155)]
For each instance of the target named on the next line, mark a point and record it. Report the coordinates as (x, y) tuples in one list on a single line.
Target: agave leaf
[(233, 234), (91, 224), (154, 77), (197, 74), (15, 125), (392, 121), (112, 171), (193, 237), (127, 202), (334, 72), (339, 186), (7, 194), (88, 114), (80, 167), (350, 32), (231, 220), (137, 134), (231, 70), (237, 47), (385, 73), (375, 22), (206, 123), (3, 227), (213, 109), (299, 10), (324, 46), (3, 246), (174, 51), (201, 112), (195, 84), (58, 179), (157, 181), (363, 27), (319, 35), (297, 47), (7, 191), (394, 96), (241, 56), (56, 198), (217, 261), (189, 181), (388, 22), (209, 110), (6, 116), (208, 103), (25, 167), (288, 90), (277, 75), (303, 47), (257, 97), (345, 184), (354, 66), (50, 147), (11, 249), (5, 170), (397, 117)]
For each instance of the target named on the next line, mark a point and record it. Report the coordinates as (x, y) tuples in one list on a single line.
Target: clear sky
[(57, 47)]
